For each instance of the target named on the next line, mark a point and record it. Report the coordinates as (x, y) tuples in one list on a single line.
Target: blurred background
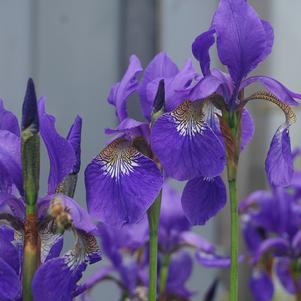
[(75, 50)]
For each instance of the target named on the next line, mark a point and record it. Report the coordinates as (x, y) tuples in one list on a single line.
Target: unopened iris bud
[(30, 147), (30, 116)]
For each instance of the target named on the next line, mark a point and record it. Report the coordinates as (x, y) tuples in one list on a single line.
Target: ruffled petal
[(279, 161), (10, 157), (177, 88), (121, 184), (247, 128), (203, 198), (9, 282), (161, 67), (275, 87), (261, 286), (74, 138), (200, 49), (61, 153), (122, 90), (8, 121), (241, 37), (185, 145)]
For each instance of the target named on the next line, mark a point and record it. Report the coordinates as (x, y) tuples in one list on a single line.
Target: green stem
[(153, 220), (30, 169), (234, 241), (164, 273)]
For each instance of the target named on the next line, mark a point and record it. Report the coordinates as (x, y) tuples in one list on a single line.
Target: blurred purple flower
[(243, 41), (57, 277), (127, 250), (271, 227)]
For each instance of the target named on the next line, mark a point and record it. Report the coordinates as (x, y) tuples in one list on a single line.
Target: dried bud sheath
[(30, 151)]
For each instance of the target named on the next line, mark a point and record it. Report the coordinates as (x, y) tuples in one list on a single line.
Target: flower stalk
[(30, 152), (231, 129), (153, 220), (164, 273)]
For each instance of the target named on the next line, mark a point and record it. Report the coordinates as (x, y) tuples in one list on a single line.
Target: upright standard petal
[(200, 49), (60, 152), (8, 121), (241, 37), (161, 67), (279, 161), (203, 198), (185, 145), (177, 88), (74, 138), (123, 89), (121, 184)]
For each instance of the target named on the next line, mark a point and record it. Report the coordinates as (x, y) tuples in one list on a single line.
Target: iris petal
[(123, 89), (247, 128), (74, 138), (185, 145), (10, 157), (177, 88), (241, 37), (279, 161), (60, 151), (176, 280), (200, 49), (275, 87), (121, 184), (8, 121), (261, 286), (9, 282), (283, 271), (161, 67), (203, 198)]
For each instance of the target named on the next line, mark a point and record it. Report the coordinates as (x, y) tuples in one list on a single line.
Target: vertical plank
[(15, 51), (77, 61)]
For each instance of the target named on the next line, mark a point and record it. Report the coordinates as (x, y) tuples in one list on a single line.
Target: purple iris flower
[(124, 179), (271, 227), (127, 250), (243, 41), (57, 277)]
